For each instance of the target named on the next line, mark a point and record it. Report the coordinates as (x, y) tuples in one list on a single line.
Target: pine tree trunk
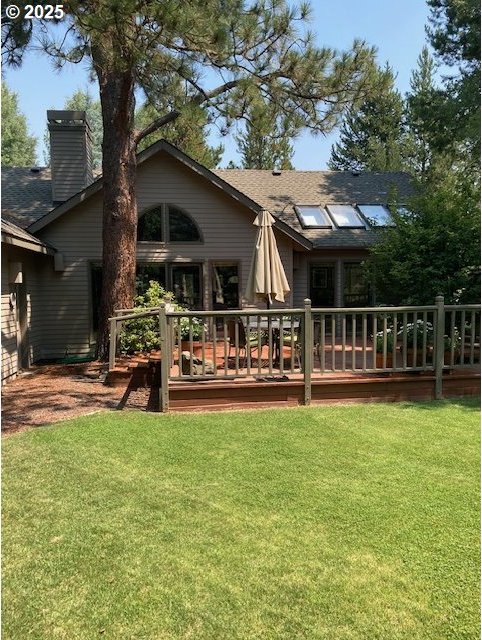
[(119, 235)]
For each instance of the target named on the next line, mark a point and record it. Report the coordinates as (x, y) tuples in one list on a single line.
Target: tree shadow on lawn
[(468, 403)]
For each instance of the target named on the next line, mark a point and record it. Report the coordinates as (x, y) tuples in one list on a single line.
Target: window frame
[(367, 218), (322, 210), (364, 225)]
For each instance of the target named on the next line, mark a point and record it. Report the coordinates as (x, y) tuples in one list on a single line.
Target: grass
[(338, 523)]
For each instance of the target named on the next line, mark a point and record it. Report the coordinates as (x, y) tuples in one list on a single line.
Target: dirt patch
[(49, 393)]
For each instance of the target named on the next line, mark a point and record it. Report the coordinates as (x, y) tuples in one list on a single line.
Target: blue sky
[(395, 27)]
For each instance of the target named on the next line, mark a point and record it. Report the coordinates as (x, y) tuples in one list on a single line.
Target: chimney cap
[(276, 172), (66, 117)]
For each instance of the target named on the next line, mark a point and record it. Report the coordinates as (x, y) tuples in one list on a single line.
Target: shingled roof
[(13, 234), (26, 194), (279, 192)]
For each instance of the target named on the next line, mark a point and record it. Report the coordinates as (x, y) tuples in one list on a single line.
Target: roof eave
[(23, 243)]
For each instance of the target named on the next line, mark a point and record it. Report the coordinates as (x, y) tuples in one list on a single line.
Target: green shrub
[(143, 334)]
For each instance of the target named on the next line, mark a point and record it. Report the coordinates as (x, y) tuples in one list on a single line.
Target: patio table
[(264, 325)]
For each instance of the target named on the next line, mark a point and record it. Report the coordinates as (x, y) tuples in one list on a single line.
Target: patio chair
[(246, 339), (295, 343)]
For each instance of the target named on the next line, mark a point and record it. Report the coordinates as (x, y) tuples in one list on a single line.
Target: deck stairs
[(137, 370)]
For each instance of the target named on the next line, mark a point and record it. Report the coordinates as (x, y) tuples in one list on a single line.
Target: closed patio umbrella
[(267, 278)]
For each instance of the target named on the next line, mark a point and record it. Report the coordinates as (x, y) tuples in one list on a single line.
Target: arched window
[(150, 227), (167, 223)]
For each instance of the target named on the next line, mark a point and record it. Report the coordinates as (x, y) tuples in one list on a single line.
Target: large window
[(355, 288), (322, 284), (225, 286), (147, 272), (185, 280), (186, 284), (167, 223)]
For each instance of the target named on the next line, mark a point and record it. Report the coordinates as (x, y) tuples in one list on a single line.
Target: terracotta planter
[(389, 360), (448, 357), (186, 346), (209, 350), (418, 357)]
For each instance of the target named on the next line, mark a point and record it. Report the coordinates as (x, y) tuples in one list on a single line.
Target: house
[(195, 232)]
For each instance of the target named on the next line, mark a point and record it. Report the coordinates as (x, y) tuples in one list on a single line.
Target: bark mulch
[(49, 393)]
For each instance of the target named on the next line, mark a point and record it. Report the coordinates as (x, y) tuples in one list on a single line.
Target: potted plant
[(414, 341), (190, 327), (452, 343), (390, 342)]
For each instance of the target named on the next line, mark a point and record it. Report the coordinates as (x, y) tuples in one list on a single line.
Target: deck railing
[(275, 344)]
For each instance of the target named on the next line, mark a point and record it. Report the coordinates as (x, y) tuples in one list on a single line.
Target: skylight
[(345, 215), (377, 213), (312, 216)]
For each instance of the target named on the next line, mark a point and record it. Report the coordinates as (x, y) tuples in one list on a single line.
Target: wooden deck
[(269, 388)]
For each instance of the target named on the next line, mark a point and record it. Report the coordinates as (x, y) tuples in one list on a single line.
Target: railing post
[(439, 346), (112, 342), (165, 359), (307, 351)]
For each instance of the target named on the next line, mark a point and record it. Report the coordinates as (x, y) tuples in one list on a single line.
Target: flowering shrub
[(143, 334), (417, 328), (196, 323), (455, 340), (391, 339)]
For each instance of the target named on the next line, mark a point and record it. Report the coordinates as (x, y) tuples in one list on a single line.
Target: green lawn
[(337, 523)]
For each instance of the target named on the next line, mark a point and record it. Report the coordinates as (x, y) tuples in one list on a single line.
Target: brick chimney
[(70, 153)]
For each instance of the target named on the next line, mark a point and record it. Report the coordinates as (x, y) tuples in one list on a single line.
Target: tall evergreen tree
[(433, 248), (266, 140), (18, 147), (252, 47), (454, 33), (424, 117), (372, 137)]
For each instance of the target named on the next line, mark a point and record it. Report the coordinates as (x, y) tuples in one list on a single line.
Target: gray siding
[(33, 266), (225, 225), (9, 327)]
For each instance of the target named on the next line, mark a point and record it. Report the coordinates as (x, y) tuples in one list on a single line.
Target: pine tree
[(18, 147), (454, 33), (424, 116), (266, 140), (373, 137)]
